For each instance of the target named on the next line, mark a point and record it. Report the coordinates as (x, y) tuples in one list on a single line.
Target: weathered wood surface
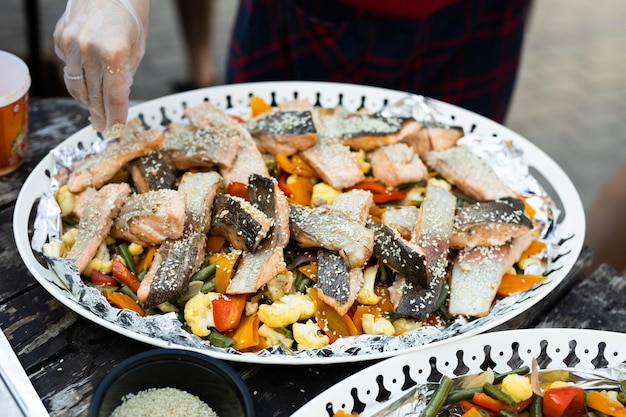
[(66, 356)]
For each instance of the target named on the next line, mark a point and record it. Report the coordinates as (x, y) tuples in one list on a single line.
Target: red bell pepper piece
[(568, 400), (227, 311), (237, 189), (380, 192), (124, 275), (99, 278)]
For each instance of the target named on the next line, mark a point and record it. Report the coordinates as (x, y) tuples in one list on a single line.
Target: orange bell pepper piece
[(121, 300), (604, 404), (246, 335), (310, 270), (333, 324), (512, 283), (225, 270), (146, 261), (258, 106), (215, 243)]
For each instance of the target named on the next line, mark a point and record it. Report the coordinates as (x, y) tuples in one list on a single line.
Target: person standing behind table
[(464, 52)]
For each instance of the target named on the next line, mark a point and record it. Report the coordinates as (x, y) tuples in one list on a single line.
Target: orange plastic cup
[(14, 86)]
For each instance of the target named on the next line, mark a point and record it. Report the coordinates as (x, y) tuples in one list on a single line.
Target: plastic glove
[(102, 43)]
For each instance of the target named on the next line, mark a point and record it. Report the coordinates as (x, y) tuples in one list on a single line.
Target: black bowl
[(211, 380)]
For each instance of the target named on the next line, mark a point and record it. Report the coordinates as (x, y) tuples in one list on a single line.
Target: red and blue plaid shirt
[(464, 52)]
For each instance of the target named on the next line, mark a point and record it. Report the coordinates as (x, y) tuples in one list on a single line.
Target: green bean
[(206, 272), (219, 340), (498, 394), (519, 371), (621, 397), (589, 414), (622, 386), (411, 185), (484, 413), (438, 398), (126, 290), (462, 394), (101, 287), (443, 295), (504, 413), (128, 257), (141, 274), (208, 286), (464, 197), (536, 406)]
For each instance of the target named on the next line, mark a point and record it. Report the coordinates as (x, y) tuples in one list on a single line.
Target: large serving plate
[(366, 391), (159, 112)]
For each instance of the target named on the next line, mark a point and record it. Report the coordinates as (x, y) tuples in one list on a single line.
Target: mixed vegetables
[(292, 314), (516, 394)]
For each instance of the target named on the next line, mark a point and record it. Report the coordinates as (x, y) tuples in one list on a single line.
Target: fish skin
[(477, 273), (432, 233), (371, 131), (257, 268), (321, 227), (176, 260), (469, 172), (148, 219), (338, 285), (487, 223), (243, 225), (399, 254), (284, 132), (152, 171), (97, 169), (96, 222)]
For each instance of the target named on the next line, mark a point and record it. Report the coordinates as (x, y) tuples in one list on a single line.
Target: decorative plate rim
[(509, 349), (153, 113)]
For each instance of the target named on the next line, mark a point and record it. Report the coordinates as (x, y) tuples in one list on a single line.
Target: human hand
[(102, 43)]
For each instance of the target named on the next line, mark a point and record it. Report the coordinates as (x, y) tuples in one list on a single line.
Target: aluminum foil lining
[(500, 153)]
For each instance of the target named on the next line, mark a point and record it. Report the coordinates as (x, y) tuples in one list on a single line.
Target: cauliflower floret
[(309, 335), (69, 237), (287, 310), (55, 249), (323, 194), (275, 337), (279, 286), (377, 325), (65, 199), (366, 294), (199, 313), (135, 249), (101, 262), (403, 325), (517, 387)]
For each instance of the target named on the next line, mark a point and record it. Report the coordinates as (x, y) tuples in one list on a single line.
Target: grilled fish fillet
[(258, 268), (397, 164), (371, 131), (153, 171), (243, 225), (96, 221), (322, 227), (188, 147), (487, 223), (148, 219), (285, 132), (468, 172), (434, 136), (401, 218), (97, 169), (177, 259), (477, 273)]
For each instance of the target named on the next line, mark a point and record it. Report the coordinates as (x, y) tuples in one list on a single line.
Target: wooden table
[(66, 356)]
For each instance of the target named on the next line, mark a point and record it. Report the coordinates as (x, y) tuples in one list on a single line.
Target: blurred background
[(570, 97)]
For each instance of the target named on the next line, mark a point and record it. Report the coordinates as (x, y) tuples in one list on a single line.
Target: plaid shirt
[(465, 52)]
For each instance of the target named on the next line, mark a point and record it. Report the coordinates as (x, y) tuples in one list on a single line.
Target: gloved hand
[(102, 43)]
